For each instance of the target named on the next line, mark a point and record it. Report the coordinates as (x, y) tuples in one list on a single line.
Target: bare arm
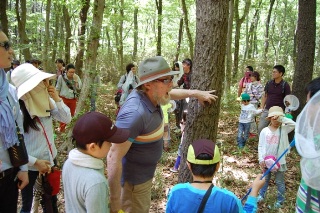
[(202, 96), (114, 167), (263, 100)]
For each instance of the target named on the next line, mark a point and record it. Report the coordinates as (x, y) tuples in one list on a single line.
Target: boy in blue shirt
[(203, 160)]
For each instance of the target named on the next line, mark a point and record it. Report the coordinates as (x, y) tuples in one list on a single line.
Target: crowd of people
[(134, 144)]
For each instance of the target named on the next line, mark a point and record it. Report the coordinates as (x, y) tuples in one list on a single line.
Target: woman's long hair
[(28, 122)]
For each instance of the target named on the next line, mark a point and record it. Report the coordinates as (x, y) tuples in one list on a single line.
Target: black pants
[(9, 193), (27, 195)]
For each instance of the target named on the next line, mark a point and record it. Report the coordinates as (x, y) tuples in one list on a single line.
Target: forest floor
[(238, 170)]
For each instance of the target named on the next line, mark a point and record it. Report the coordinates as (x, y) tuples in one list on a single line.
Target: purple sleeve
[(287, 90)]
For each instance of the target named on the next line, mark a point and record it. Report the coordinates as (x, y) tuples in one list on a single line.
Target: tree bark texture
[(135, 33), (180, 34), (81, 36), (21, 18), (67, 25), (4, 17), (90, 66), (186, 24), (266, 37), (239, 22), (47, 64), (159, 25), (229, 48), (306, 42), (208, 74)]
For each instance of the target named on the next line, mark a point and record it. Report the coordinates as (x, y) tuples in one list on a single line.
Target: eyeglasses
[(6, 45), (165, 81)]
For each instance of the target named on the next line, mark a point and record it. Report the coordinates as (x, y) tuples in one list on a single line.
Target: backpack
[(283, 86), (118, 94)]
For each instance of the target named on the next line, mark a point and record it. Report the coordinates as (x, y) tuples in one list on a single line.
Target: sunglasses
[(6, 45), (165, 81)]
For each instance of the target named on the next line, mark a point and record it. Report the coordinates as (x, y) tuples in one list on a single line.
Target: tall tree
[(238, 22), (186, 24), (266, 37), (159, 25), (21, 18), (229, 48), (135, 32), (67, 44), (81, 35), (209, 58), (180, 34), (47, 64), (3, 16), (306, 42), (91, 62)]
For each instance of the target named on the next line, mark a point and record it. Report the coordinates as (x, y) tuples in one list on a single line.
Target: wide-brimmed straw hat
[(26, 77), (154, 68)]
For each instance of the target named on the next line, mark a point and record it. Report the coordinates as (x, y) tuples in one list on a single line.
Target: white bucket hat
[(275, 110), (26, 77), (154, 68)]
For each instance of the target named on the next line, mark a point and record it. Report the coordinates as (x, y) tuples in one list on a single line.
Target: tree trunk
[(56, 33), (180, 34), (186, 21), (266, 39), (4, 17), (81, 36), (67, 44), (135, 33), (159, 23), (47, 64), (24, 40), (239, 22), (208, 74), (306, 42), (90, 66), (229, 48), (252, 32)]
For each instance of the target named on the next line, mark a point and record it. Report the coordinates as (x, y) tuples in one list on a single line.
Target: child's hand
[(257, 185)]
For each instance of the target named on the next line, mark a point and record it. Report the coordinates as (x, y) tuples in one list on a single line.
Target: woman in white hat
[(39, 103)]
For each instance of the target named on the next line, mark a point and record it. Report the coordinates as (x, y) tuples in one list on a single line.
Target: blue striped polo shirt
[(145, 122)]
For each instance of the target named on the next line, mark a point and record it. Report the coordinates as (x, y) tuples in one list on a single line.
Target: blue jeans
[(280, 185), (243, 134)]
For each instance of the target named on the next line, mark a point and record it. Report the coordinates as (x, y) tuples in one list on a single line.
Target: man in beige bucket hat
[(134, 161)]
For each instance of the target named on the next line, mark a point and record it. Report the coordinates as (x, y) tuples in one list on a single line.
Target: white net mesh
[(307, 137), (291, 102)]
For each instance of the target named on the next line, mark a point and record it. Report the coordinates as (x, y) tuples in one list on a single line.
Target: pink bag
[(269, 161)]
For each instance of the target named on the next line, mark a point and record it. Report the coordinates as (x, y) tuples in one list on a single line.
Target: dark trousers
[(27, 195), (9, 193)]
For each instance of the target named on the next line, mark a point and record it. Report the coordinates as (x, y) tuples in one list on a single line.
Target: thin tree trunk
[(135, 33), (91, 59), (229, 47), (24, 40), (81, 36), (186, 24), (306, 41), (209, 58), (159, 25), (180, 34), (47, 64), (252, 32), (67, 44), (239, 22), (266, 37), (56, 32)]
